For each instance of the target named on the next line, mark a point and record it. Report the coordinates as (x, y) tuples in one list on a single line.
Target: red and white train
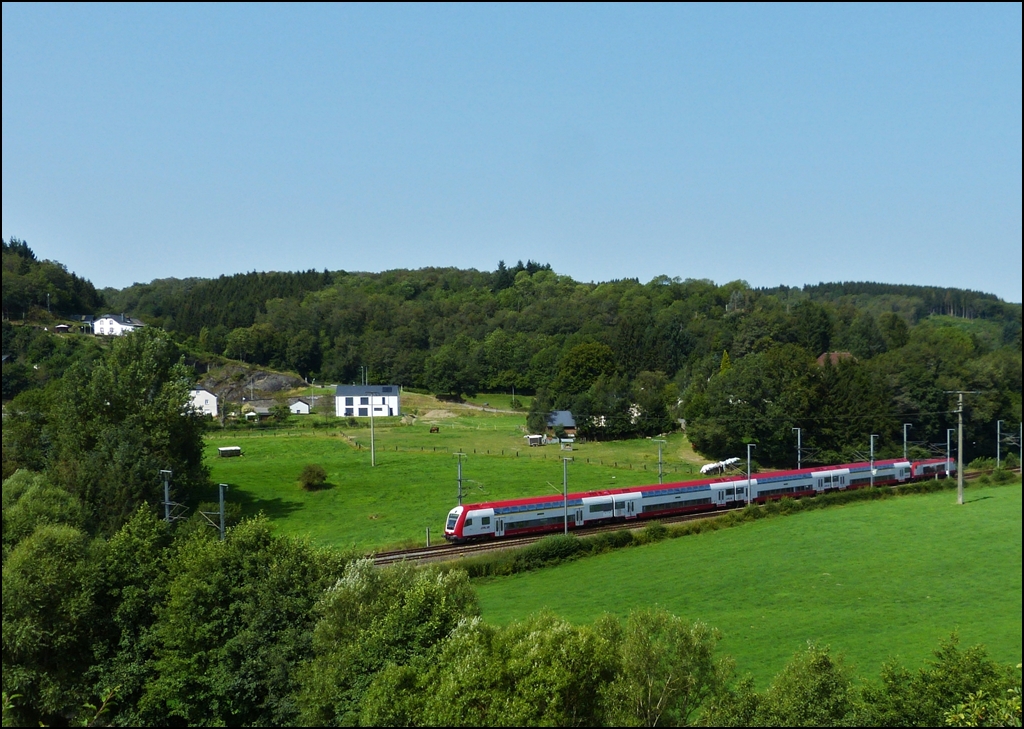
[(496, 519)]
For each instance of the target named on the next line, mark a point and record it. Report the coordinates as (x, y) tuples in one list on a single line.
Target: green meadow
[(413, 485), (873, 580)]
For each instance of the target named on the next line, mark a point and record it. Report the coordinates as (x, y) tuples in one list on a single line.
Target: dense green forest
[(42, 285), (736, 364), (731, 363)]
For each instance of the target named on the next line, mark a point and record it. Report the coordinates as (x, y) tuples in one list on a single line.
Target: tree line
[(635, 359), (31, 285), (731, 364)]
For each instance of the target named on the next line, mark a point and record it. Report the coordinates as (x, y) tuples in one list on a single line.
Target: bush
[(981, 464), (653, 532), (313, 477), (1001, 475)]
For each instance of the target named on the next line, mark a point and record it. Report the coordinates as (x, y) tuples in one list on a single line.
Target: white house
[(355, 401), (115, 324), (299, 407), (204, 401)]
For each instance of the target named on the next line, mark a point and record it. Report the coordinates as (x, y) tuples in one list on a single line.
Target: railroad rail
[(447, 552)]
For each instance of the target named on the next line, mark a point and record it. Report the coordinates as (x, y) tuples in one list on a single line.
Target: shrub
[(313, 477), (1001, 475), (653, 532), (980, 464)]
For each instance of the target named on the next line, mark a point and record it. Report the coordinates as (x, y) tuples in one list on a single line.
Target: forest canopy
[(730, 363)]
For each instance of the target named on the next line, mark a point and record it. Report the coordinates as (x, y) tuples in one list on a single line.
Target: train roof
[(682, 486)]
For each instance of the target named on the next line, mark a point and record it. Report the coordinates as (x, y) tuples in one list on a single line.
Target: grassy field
[(872, 579), (413, 485)]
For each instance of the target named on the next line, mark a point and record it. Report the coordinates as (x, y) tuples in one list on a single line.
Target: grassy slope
[(871, 579), (414, 487)]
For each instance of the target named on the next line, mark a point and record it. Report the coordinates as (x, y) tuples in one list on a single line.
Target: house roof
[(125, 321), (359, 390), (561, 418)]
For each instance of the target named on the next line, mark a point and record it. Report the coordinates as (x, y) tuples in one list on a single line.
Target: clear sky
[(777, 144)]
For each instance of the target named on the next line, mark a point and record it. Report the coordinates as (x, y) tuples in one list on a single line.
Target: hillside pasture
[(872, 579), (414, 485)]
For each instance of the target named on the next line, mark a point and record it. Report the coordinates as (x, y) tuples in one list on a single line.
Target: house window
[(348, 412), (363, 412), (364, 401), (348, 401)]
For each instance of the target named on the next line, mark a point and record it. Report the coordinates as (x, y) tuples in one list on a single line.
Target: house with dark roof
[(364, 401), (562, 419)]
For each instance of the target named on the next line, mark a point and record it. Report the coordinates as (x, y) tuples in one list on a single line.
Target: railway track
[(447, 552)]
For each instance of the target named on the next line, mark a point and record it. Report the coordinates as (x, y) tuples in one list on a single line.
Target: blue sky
[(777, 144)]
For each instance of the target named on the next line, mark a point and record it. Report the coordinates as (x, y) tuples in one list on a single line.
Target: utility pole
[(960, 441), (905, 426), (565, 493), (999, 439), (660, 442), (798, 459), (223, 488), (460, 456), (873, 460), (749, 495), (373, 453), (960, 449), (166, 474)]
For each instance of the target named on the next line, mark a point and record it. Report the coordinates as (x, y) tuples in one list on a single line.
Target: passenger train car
[(537, 514)]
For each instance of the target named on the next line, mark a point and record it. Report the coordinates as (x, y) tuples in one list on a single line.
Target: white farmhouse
[(204, 401), (355, 401), (115, 325), (298, 407)]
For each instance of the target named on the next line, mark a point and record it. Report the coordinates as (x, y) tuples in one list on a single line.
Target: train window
[(595, 508), (452, 518), (469, 522), (485, 520), (730, 492)]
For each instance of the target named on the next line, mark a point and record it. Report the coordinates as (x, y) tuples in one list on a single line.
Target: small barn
[(562, 419)]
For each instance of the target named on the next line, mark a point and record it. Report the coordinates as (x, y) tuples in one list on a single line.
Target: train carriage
[(542, 514)]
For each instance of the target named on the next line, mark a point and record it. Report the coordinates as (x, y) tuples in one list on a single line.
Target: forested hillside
[(735, 364), (738, 364), (28, 281)]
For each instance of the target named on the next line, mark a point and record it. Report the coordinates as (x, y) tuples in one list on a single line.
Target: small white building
[(204, 401), (356, 401), (115, 325), (299, 407)]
